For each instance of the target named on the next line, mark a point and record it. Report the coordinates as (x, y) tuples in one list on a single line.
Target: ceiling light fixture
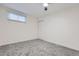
[(45, 6)]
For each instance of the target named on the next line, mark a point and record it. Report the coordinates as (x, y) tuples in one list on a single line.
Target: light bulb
[(45, 4)]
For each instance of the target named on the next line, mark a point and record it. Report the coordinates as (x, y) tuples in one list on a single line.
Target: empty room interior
[(39, 29)]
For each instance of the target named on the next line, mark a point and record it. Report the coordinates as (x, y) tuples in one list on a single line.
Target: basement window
[(17, 16)]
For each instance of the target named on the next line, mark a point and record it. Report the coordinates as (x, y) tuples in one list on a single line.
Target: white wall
[(61, 27), (11, 32)]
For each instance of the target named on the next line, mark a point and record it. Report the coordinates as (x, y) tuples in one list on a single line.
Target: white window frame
[(18, 15)]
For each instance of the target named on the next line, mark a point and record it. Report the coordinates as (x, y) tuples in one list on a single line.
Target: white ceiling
[(37, 9)]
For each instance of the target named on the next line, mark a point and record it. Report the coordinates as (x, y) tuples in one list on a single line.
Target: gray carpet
[(36, 47)]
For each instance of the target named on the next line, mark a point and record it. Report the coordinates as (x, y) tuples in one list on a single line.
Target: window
[(16, 17)]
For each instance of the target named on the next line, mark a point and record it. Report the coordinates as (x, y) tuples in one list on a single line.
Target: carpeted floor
[(36, 47)]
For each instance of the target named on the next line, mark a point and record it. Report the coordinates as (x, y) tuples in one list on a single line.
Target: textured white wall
[(11, 32), (61, 27)]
